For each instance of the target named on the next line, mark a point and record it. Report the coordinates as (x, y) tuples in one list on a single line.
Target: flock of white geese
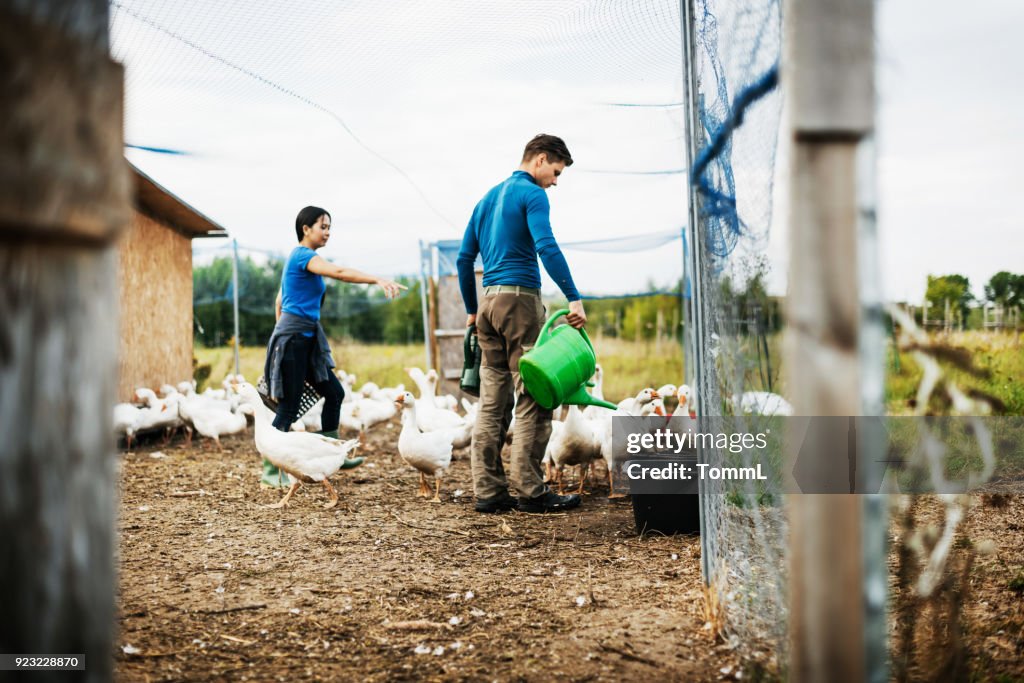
[(431, 426)]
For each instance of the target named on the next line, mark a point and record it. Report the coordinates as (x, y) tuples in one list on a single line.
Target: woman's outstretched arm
[(321, 266)]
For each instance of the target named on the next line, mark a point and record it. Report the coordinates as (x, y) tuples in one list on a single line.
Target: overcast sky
[(439, 98)]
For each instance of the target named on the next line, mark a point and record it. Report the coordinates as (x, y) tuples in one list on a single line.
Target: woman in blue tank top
[(298, 351)]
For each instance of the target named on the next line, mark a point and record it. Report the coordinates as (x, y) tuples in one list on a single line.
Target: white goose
[(578, 443), (633, 404), (429, 417), (347, 382), (685, 408), (664, 391), (445, 401), (428, 452), (163, 412), (306, 457), (365, 413), (760, 403), (126, 421), (219, 394), (640, 405), (385, 395), (190, 404), (427, 385), (391, 393), (214, 423), (684, 418)]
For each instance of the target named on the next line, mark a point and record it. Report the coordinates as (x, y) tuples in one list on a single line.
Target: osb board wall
[(155, 265), (451, 315)]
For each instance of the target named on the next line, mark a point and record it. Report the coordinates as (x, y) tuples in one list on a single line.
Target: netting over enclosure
[(399, 116), (737, 102)]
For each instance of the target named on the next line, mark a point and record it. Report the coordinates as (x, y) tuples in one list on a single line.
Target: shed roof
[(158, 202)]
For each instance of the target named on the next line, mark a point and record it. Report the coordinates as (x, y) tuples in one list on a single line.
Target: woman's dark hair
[(308, 216), (553, 146)]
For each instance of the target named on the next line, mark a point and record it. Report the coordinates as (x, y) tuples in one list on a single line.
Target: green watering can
[(558, 368)]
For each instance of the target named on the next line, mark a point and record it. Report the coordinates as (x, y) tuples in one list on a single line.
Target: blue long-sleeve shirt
[(510, 228)]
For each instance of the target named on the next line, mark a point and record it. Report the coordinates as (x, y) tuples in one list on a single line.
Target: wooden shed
[(155, 287)]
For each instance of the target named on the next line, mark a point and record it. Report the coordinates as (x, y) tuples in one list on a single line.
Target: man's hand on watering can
[(577, 316), (471, 320)]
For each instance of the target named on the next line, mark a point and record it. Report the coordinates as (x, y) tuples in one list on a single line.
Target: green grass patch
[(998, 355), (630, 366), (381, 363)]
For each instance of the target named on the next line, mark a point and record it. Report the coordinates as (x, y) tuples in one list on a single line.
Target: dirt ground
[(972, 628), (387, 586)]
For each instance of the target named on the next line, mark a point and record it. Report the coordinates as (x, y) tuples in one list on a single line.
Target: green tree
[(1005, 289), (953, 288), (213, 306), (403, 317)]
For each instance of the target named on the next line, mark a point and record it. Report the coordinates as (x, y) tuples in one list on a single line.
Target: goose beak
[(655, 394)]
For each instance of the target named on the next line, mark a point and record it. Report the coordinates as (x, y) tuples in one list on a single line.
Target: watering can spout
[(580, 397)]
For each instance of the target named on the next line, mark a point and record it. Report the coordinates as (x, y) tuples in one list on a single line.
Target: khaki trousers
[(507, 325)]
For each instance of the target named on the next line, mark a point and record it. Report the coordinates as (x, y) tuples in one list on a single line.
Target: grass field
[(629, 366), (998, 355), (380, 363)]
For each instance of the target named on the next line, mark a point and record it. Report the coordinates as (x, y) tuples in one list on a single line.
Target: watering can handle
[(545, 332)]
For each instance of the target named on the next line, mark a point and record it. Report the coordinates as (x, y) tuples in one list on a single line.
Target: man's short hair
[(554, 147)]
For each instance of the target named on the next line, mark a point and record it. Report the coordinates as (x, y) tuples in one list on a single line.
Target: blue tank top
[(301, 290)]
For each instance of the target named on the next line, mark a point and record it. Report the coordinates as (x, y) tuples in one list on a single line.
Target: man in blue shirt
[(509, 229)]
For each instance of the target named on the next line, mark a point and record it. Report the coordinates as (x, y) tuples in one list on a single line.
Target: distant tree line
[(642, 318), (362, 313), (350, 311), (1004, 289)]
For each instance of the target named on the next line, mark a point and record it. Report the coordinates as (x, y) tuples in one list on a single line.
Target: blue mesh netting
[(736, 74)]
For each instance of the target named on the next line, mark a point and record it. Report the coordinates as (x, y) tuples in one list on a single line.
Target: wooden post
[(64, 197), (426, 273), (828, 67), (432, 319), (659, 331)]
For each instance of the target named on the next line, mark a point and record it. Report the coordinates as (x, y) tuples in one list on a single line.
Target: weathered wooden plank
[(829, 66), (63, 176), (828, 74), (63, 197)]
